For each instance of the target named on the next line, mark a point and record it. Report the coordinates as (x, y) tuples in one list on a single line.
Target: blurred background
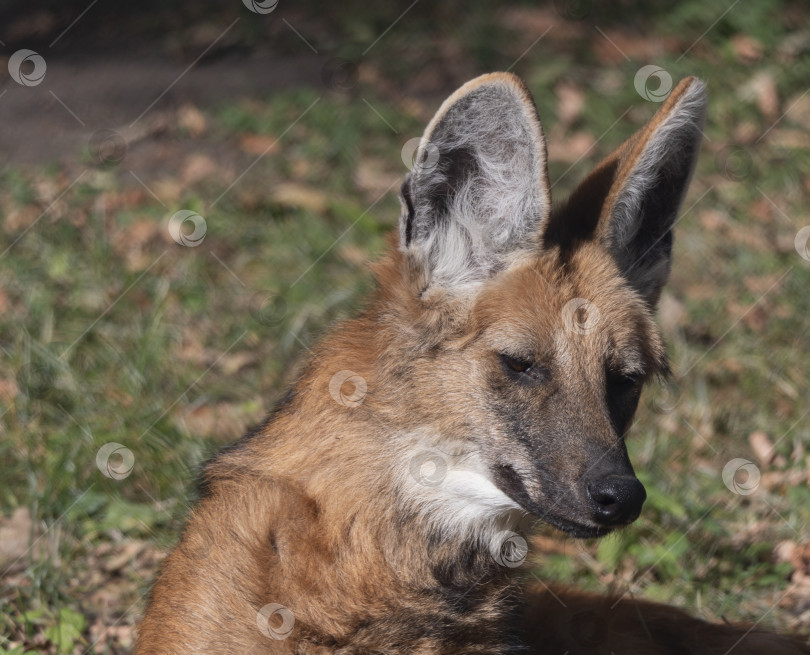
[(136, 340)]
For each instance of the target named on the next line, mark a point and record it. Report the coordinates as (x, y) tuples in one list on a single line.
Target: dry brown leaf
[(300, 167), (296, 195), (762, 447), (783, 551), (777, 479), (787, 138), (746, 132), (760, 284), (259, 144), (124, 557), (112, 202), (570, 148), (140, 232), (225, 420), (372, 177), (625, 45), (798, 110), (570, 101), (671, 313), (20, 218), (197, 168), (531, 21), (701, 291), (768, 97), (131, 242), (746, 48), (232, 363), (761, 88), (15, 536), (800, 560), (762, 210), (755, 318), (8, 389), (168, 189), (191, 119), (714, 219), (192, 348)]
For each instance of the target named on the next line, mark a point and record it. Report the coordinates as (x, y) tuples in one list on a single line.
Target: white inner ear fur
[(495, 211), (667, 149)]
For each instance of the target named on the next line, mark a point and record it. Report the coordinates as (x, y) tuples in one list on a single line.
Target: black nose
[(616, 499)]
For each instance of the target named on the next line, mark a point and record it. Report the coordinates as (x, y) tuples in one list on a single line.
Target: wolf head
[(528, 331)]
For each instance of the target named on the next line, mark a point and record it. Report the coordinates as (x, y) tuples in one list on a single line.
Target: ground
[(284, 133)]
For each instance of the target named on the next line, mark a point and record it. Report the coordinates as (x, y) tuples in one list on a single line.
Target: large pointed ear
[(478, 191), (631, 200)]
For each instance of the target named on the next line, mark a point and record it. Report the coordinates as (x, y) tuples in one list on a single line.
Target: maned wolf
[(493, 375)]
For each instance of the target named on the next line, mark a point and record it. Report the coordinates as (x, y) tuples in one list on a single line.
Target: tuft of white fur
[(496, 209), (461, 500)]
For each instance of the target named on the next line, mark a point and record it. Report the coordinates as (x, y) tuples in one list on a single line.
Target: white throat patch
[(453, 489)]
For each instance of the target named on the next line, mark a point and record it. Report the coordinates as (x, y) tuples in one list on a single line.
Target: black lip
[(573, 529), (508, 481)]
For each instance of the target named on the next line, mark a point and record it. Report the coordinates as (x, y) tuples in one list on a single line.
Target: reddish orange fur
[(307, 512)]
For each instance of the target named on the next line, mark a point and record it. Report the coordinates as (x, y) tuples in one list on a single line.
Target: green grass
[(112, 332)]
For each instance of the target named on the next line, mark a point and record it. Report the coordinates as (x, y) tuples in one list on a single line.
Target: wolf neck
[(349, 512), (373, 451), (430, 514), (362, 475), (404, 561)]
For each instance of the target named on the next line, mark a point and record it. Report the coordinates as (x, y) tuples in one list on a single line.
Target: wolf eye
[(624, 381), (622, 394), (524, 370), (515, 364)]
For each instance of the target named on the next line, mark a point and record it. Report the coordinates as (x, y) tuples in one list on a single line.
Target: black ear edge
[(649, 201), (407, 218), (576, 219), (590, 211), (645, 254), (665, 159)]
